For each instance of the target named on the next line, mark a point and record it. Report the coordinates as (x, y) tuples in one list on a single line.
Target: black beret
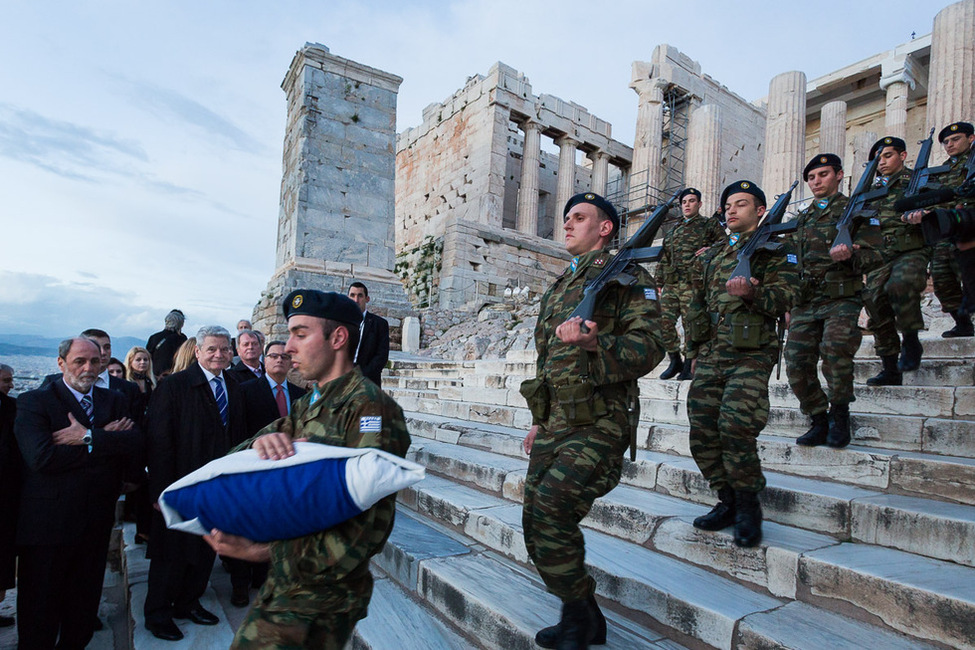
[(596, 200), (331, 305), (889, 141), (747, 187), (688, 190), (957, 127), (823, 160)]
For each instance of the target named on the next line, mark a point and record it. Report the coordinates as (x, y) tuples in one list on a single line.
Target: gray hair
[(174, 320), (211, 330), (64, 347), (242, 333), (5, 368)]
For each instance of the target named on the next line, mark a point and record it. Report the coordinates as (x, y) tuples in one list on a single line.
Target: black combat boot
[(686, 373), (817, 432), (889, 374), (549, 636), (839, 426), (748, 519), (911, 350), (722, 514), (963, 326), (674, 367)]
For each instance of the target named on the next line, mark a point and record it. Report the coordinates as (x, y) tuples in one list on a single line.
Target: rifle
[(634, 250), (771, 227), (922, 197), (862, 194)]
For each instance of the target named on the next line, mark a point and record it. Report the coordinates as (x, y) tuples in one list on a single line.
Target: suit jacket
[(66, 488), (10, 476), (185, 433), (242, 373), (131, 392), (259, 404), (374, 347), (163, 346)]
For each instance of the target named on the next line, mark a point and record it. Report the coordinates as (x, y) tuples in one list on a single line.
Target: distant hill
[(42, 346)]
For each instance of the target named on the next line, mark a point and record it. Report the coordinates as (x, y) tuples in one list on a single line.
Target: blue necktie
[(221, 396), (89, 408)]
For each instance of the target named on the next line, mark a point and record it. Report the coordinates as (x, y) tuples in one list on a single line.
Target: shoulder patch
[(791, 258), (874, 221), (649, 293), (371, 424)]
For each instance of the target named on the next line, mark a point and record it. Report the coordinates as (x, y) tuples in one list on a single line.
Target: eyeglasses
[(284, 357)]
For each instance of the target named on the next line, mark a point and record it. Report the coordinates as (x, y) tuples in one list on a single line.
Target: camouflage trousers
[(674, 303), (568, 470), (893, 298), (946, 277), (728, 407), (826, 330)]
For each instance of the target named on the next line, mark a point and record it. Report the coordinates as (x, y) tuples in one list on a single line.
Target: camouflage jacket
[(777, 272), (813, 238), (326, 570), (896, 235), (954, 177), (629, 338), (686, 238)]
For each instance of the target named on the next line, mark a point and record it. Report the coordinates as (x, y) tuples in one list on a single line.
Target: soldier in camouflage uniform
[(319, 585), (893, 289), (732, 325), (824, 321), (957, 140), (685, 241), (585, 407)]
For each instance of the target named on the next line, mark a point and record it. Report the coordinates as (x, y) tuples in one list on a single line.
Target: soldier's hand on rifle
[(914, 217), (571, 332), (742, 288), (529, 440), (842, 252)]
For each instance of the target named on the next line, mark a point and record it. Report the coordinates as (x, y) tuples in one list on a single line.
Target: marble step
[(935, 347), (420, 383), (497, 603), (902, 472), (690, 599), (933, 372)]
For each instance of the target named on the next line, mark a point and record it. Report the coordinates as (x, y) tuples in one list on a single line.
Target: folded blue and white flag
[(266, 500)]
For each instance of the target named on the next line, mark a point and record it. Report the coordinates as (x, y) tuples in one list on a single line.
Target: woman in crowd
[(116, 368), (185, 356)]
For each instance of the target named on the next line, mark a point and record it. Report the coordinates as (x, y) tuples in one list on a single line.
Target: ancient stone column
[(336, 218), (526, 220), (951, 92), (832, 129), (648, 146), (897, 78), (785, 134), (600, 171), (703, 169), (567, 179), (861, 150)]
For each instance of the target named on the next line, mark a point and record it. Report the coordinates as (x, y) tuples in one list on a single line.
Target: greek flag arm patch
[(371, 424), (649, 293), (874, 221), (791, 258)]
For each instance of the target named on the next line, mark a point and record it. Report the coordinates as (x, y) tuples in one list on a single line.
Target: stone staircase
[(869, 546)]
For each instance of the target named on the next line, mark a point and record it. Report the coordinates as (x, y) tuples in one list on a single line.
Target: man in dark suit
[(10, 477), (77, 443), (373, 351), (249, 345), (265, 400), (194, 416), (162, 345)]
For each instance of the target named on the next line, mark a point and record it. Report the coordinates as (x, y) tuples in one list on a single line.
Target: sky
[(140, 142)]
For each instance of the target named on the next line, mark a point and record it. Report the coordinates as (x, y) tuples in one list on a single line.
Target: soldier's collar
[(594, 258), (334, 392)]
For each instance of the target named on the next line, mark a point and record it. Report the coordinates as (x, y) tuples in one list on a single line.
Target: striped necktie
[(88, 406), (221, 397)]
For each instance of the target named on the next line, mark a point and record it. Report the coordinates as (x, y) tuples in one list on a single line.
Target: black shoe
[(963, 327), (889, 375), (7, 621), (686, 373), (240, 597), (839, 426), (722, 514), (748, 519), (199, 616), (549, 636), (911, 351), (817, 432), (675, 366), (165, 630)]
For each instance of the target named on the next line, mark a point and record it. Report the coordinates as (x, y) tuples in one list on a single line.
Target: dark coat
[(11, 471), (66, 488), (374, 347), (162, 347), (129, 389), (185, 433), (260, 405), (242, 373)]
